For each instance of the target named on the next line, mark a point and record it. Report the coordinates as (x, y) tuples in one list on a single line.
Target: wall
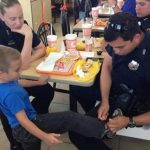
[(41, 11), (32, 10), (26, 6)]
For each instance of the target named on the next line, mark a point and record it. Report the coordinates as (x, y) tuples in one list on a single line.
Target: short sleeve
[(36, 41), (14, 103), (109, 50)]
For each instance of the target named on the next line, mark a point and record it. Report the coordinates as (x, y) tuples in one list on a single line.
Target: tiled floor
[(60, 103)]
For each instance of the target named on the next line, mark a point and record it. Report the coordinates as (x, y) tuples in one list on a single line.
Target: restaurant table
[(31, 73), (78, 27), (105, 13)]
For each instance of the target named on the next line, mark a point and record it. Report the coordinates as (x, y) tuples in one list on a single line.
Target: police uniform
[(145, 23), (131, 73), (14, 39)]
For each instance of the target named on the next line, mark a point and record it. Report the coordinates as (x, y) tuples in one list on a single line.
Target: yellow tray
[(88, 76)]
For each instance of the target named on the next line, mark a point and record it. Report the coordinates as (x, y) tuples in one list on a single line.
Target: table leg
[(73, 103)]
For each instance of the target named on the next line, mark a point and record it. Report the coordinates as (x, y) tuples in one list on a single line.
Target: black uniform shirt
[(133, 70), (145, 23), (14, 39)]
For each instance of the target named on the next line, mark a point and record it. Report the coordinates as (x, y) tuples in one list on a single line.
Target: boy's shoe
[(108, 134)]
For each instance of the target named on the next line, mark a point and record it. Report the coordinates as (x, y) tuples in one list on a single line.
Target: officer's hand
[(24, 30), (117, 123), (103, 111)]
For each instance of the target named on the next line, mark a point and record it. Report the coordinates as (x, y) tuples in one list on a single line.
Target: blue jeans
[(81, 14), (59, 123)]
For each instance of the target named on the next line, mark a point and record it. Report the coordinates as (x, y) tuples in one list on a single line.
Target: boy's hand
[(103, 111), (52, 138)]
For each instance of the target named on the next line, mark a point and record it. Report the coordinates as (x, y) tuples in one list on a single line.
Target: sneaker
[(108, 133)]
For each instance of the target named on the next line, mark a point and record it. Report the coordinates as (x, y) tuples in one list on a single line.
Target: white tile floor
[(60, 103)]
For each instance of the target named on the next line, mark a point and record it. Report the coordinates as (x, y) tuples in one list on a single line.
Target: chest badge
[(133, 65)]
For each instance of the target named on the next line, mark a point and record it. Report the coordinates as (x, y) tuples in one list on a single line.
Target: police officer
[(124, 79), (143, 13)]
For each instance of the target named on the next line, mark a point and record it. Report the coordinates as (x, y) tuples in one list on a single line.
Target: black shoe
[(108, 134)]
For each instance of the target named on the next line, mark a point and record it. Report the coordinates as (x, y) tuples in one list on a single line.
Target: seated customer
[(83, 8), (17, 34), (124, 79), (128, 6), (143, 13), (28, 127)]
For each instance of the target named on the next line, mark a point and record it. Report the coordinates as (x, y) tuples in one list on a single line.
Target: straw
[(71, 30), (51, 29)]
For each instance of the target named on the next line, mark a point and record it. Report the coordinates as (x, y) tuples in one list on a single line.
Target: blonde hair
[(6, 4), (7, 55)]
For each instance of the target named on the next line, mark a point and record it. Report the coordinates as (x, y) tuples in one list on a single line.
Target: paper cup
[(95, 11), (88, 44), (52, 41), (120, 3), (71, 40), (86, 29)]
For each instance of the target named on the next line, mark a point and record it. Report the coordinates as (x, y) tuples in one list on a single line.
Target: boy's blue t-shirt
[(14, 98), (129, 6)]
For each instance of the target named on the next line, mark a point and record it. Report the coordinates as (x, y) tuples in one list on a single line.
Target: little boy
[(28, 127)]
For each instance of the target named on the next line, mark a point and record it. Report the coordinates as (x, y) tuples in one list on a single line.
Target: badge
[(133, 65)]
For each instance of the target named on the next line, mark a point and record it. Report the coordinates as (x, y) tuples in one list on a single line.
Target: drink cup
[(86, 29), (71, 40), (120, 3), (52, 41), (88, 44), (95, 11)]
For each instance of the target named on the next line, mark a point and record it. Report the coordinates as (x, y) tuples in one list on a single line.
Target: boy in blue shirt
[(28, 127)]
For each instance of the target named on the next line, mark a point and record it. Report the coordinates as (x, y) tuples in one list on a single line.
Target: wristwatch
[(131, 123)]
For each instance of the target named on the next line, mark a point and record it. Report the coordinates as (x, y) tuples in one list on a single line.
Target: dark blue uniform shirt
[(136, 79), (145, 23), (14, 39)]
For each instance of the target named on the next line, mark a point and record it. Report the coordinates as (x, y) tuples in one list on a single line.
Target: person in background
[(83, 8), (16, 33), (128, 6), (143, 13), (124, 79)]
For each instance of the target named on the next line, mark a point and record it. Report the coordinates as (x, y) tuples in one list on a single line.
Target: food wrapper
[(89, 75)]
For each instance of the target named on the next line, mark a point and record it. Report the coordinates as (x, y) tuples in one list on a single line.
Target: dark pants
[(86, 96), (43, 97), (59, 123), (88, 143)]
